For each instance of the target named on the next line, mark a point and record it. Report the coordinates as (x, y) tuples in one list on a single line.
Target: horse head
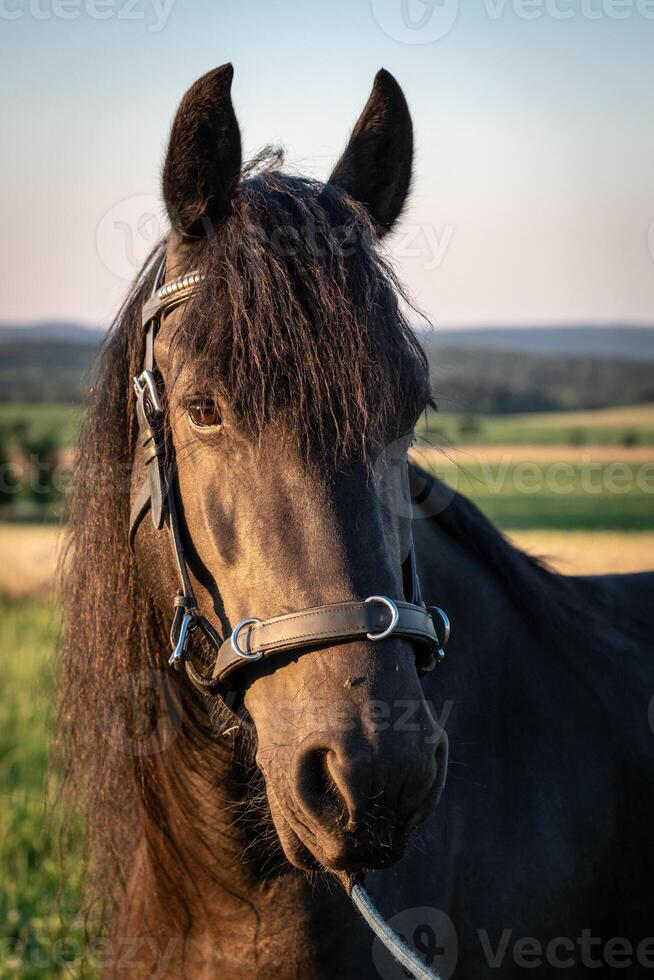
[(292, 386)]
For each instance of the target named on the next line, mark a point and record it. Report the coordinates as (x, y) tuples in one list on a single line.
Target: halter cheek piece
[(252, 639)]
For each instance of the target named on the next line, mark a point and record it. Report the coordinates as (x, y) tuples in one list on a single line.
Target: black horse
[(293, 384)]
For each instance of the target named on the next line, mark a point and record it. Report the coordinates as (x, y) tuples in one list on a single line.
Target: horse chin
[(338, 862), (296, 852)]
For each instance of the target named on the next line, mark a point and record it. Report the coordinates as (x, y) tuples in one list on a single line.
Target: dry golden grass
[(623, 415), (28, 559), (588, 552)]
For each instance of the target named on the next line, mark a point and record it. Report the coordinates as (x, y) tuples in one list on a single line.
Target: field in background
[(41, 934), (38, 422), (629, 425)]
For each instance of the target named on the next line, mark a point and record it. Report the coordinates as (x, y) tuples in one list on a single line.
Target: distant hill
[(49, 331), (625, 343), (473, 371), (478, 381)]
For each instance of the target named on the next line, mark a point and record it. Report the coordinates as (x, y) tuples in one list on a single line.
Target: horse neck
[(191, 854), (207, 888), (509, 659)]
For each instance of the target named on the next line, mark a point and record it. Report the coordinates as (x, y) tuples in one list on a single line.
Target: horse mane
[(110, 628), (306, 304), (312, 332)]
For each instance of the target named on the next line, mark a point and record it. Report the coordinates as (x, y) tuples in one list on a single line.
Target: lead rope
[(395, 945)]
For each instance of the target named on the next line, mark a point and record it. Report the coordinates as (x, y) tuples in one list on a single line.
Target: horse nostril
[(315, 789), (341, 786), (325, 786)]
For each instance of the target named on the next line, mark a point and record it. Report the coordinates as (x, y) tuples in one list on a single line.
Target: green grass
[(35, 899), (41, 421), (631, 425), (567, 496)]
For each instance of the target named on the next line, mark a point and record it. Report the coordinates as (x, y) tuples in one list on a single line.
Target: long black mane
[(299, 317)]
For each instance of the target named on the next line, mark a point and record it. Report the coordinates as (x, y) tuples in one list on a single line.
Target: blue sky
[(534, 191)]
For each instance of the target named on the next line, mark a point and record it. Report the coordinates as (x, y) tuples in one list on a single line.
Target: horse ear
[(203, 162), (375, 168)]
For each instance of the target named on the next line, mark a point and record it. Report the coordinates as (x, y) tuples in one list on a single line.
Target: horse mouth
[(351, 855)]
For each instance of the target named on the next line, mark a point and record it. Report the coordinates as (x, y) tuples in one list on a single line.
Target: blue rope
[(396, 946)]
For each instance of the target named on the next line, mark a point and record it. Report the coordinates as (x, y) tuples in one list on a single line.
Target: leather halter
[(374, 619)]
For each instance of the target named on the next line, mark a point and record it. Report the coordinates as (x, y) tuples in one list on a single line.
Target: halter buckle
[(177, 655), (145, 382), (395, 616)]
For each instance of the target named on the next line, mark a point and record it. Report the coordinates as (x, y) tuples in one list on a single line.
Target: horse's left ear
[(375, 168), (203, 162)]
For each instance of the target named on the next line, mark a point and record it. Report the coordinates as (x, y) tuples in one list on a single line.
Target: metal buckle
[(395, 616), (234, 640), (447, 630), (146, 381), (177, 655)]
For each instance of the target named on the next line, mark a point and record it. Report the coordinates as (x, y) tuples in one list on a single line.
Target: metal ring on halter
[(234, 640), (395, 616), (446, 624), (447, 629)]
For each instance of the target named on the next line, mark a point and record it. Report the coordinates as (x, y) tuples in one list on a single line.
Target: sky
[(533, 197)]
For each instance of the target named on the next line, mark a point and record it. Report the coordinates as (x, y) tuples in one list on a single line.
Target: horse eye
[(204, 414)]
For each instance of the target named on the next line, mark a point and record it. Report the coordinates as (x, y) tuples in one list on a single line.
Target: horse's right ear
[(375, 168), (203, 162)]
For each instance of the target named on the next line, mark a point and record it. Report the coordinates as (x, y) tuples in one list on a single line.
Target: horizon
[(435, 329)]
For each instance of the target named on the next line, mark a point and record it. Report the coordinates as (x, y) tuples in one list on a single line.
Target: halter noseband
[(374, 619)]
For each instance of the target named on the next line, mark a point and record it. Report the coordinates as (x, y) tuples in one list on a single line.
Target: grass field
[(34, 900), (519, 488), (630, 425), (61, 422)]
